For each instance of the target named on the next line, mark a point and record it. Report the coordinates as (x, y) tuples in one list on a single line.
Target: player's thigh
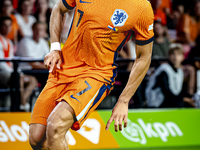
[(84, 95), (60, 110), (46, 102)]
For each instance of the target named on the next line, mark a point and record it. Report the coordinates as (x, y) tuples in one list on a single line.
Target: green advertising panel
[(158, 128)]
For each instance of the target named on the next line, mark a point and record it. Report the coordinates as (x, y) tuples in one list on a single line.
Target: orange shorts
[(83, 95)]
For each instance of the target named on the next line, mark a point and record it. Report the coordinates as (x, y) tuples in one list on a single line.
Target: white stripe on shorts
[(86, 107)]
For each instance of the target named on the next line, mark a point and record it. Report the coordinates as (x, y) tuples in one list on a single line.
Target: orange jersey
[(7, 48), (187, 25), (160, 16), (14, 28), (165, 4), (99, 30)]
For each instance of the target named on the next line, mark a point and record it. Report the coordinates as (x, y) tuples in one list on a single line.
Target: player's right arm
[(53, 60)]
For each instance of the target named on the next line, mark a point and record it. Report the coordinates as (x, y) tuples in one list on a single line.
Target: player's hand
[(119, 114), (53, 60)]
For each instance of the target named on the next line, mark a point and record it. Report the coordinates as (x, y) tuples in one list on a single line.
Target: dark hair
[(1, 4), (157, 21), (36, 2), (20, 4), (36, 23), (2, 19)]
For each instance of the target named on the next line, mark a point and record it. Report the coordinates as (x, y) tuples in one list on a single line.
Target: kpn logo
[(139, 132)]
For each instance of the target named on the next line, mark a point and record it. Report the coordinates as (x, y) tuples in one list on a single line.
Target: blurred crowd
[(24, 32), (173, 77)]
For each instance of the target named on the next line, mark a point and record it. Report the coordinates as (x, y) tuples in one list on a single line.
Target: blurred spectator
[(43, 13), (33, 1), (188, 4), (166, 6), (172, 21), (16, 3), (195, 53), (128, 52), (27, 83), (161, 43), (6, 9), (159, 15), (35, 47), (173, 18), (188, 27), (6, 50), (24, 19), (165, 87)]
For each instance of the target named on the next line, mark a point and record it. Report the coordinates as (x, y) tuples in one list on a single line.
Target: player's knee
[(35, 140), (58, 127), (53, 130), (37, 136), (54, 127)]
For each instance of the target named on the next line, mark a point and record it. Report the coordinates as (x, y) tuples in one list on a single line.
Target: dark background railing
[(15, 77)]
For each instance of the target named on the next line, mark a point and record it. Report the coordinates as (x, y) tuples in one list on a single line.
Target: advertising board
[(158, 128), (146, 128)]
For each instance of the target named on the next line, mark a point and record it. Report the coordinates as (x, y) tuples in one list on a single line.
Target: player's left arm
[(144, 42), (139, 70)]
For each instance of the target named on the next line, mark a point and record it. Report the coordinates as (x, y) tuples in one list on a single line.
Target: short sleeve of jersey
[(69, 4), (144, 27)]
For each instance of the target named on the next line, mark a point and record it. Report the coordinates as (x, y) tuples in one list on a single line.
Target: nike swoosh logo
[(81, 1), (74, 98)]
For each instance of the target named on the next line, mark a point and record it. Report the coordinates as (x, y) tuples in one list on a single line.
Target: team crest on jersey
[(119, 18)]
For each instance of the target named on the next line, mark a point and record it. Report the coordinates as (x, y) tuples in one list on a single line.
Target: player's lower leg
[(59, 122)]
